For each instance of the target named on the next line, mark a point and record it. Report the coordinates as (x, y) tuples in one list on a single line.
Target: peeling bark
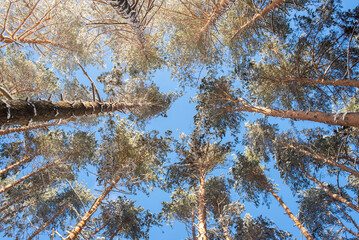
[(23, 111), (124, 9)]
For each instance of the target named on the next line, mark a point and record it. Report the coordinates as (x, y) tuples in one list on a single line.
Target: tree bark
[(22, 111), (326, 160), (124, 9), (47, 223), (331, 82), (330, 193), (17, 163), (223, 6), (202, 215), (13, 184), (290, 214), (32, 127), (82, 223), (350, 119), (256, 17)]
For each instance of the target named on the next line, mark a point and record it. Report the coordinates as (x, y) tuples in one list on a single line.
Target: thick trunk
[(290, 214), (326, 160), (336, 82), (202, 215), (17, 164), (47, 223), (256, 17), (82, 223), (124, 9), (22, 111), (223, 6), (193, 226), (350, 119), (13, 184), (330, 193)]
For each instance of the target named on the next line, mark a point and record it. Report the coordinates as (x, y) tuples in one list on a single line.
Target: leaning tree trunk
[(47, 223), (290, 214), (264, 12), (82, 223), (335, 196), (350, 119), (124, 9), (223, 6), (25, 111), (330, 82), (26, 159), (326, 160), (202, 218), (20, 180)]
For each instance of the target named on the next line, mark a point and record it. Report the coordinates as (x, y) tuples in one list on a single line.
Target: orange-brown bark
[(82, 223), (264, 12), (331, 82), (335, 196), (326, 160), (17, 164), (290, 214), (202, 215)]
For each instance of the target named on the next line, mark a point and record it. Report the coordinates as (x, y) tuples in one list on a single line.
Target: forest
[(179, 119)]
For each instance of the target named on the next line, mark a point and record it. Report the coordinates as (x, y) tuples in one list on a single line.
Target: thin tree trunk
[(336, 82), (124, 9), (326, 160), (31, 191), (290, 214), (82, 223), (17, 163), (256, 17), (18, 210), (342, 225), (32, 127), (202, 216), (22, 111), (225, 229), (223, 6), (47, 223), (194, 236), (350, 119), (13, 184), (330, 193)]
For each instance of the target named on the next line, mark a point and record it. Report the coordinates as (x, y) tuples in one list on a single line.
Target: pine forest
[(179, 119)]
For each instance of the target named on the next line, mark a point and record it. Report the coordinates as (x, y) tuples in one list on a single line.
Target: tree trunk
[(47, 223), (194, 236), (17, 210), (22, 111), (290, 214), (223, 6), (17, 164), (82, 223), (326, 160), (330, 193), (202, 215), (225, 229), (32, 127), (350, 119), (256, 17), (124, 9), (13, 184), (336, 82)]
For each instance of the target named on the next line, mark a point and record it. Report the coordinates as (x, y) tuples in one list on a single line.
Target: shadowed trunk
[(47, 223), (124, 9), (22, 111)]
